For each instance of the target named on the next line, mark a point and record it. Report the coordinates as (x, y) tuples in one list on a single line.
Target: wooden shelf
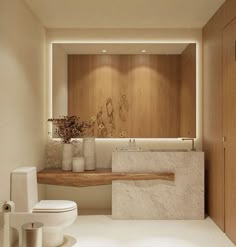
[(93, 178)]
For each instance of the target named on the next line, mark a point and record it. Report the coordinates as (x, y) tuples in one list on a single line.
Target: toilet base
[(54, 224), (52, 236)]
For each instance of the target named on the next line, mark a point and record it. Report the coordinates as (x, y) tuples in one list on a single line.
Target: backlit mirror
[(127, 90)]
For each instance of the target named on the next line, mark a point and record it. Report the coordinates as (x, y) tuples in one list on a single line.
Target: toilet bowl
[(54, 214)]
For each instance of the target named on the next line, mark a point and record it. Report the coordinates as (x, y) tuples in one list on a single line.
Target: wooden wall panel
[(212, 118), (213, 110), (229, 11), (229, 126), (149, 82), (188, 92)]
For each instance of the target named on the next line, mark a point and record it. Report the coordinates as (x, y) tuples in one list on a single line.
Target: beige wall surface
[(104, 147), (22, 99), (22, 89), (89, 199), (60, 91)]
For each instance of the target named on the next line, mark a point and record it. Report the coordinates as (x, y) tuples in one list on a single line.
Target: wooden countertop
[(96, 177)]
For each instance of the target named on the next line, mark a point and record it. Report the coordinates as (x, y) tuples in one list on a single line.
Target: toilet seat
[(54, 206)]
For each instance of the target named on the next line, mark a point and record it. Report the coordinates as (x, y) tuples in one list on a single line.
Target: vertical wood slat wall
[(187, 126), (152, 85), (213, 111)]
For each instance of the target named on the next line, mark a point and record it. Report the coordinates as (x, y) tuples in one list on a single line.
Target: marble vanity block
[(157, 199)]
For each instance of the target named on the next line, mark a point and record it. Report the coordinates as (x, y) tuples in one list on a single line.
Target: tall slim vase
[(89, 153), (67, 156)]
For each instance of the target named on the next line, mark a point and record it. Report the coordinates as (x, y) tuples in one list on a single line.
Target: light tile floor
[(102, 231)]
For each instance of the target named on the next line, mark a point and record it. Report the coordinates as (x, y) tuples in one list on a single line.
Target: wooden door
[(229, 127)]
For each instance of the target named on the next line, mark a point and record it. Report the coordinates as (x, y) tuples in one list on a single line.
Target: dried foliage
[(69, 127), (102, 124)]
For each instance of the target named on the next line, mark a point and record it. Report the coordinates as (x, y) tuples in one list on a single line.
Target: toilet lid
[(55, 206)]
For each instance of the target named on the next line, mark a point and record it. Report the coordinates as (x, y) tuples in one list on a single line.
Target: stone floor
[(102, 231)]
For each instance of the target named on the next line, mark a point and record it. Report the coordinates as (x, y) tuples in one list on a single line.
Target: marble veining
[(157, 199)]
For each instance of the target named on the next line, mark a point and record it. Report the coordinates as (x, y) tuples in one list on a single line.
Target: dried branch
[(69, 127)]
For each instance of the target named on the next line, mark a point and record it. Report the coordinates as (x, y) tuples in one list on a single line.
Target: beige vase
[(67, 156), (89, 153), (78, 164)]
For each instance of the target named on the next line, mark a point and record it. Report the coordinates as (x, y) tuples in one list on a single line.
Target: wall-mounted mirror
[(127, 90)]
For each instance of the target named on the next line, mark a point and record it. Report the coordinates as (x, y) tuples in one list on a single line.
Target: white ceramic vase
[(89, 153), (78, 164), (67, 156)]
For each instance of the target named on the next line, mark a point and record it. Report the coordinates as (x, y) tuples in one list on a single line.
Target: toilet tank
[(24, 191)]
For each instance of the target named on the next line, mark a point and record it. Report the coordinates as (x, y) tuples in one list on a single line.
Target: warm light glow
[(143, 51), (198, 85), (50, 93)]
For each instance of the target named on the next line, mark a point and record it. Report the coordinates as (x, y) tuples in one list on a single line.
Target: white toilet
[(54, 214)]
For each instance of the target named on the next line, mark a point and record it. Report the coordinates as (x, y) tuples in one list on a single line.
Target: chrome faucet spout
[(190, 139)]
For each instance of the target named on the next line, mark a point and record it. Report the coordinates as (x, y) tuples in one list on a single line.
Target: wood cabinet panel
[(229, 127), (212, 118), (229, 11), (214, 114)]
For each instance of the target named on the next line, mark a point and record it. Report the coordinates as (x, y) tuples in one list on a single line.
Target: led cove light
[(198, 86)]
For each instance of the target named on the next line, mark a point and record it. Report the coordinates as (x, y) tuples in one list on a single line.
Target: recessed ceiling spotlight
[(143, 51), (104, 51)]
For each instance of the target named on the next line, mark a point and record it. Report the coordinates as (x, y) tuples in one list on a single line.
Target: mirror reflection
[(127, 90)]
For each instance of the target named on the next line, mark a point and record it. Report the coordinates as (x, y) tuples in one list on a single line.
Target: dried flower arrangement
[(69, 127)]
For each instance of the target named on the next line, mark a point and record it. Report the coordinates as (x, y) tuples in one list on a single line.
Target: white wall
[(22, 92), (60, 89), (105, 146)]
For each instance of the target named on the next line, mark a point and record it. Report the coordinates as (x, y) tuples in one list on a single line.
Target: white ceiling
[(124, 13), (167, 48)]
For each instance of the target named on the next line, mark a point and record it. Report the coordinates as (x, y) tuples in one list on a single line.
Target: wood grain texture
[(229, 8), (212, 118), (213, 113), (188, 92), (150, 83), (94, 178), (229, 126)]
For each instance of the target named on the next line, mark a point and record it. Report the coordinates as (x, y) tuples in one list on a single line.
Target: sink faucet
[(190, 139)]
